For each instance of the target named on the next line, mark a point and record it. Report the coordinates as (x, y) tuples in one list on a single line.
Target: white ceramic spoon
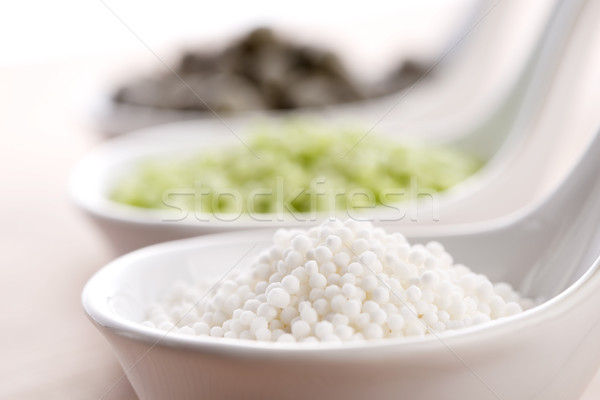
[(549, 352), (129, 228), (525, 98)]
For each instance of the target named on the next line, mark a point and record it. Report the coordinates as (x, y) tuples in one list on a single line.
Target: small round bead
[(378, 317), (216, 331), (276, 333), (266, 311), (287, 314), (369, 283), (457, 308), (290, 284), (230, 335), (511, 308), (186, 330), (367, 258), (348, 290), (328, 268), (430, 262), (344, 332), (331, 291), (332, 337), (247, 317), (339, 319), (345, 235), (361, 320), (435, 248), (334, 279), (416, 328), (372, 332), (341, 259), (337, 303), (201, 328), (276, 277), (219, 317), (286, 338), (381, 295), (468, 283), (351, 308), (263, 334), (355, 269), (317, 281), (497, 305), (325, 231), (282, 237), (361, 232), (484, 290), (323, 328), (316, 294), (416, 256), (236, 325), (370, 306), (321, 306), (413, 293), (292, 260), (275, 324), (252, 305), (311, 267), (300, 274), (323, 254), (300, 329), (207, 318), (348, 278), (334, 243), (261, 287), (402, 250), (360, 245), (257, 324), (278, 298), (504, 290), (443, 316), (395, 322), (301, 243), (309, 315)]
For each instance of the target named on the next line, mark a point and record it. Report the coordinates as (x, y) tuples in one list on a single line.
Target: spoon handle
[(571, 212), (506, 128)]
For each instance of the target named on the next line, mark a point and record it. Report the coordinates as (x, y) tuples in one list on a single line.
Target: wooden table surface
[(48, 250)]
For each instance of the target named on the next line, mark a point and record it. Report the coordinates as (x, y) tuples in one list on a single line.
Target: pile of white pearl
[(339, 282)]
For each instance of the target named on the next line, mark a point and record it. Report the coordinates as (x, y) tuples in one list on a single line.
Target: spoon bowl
[(549, 351), (129, 227)]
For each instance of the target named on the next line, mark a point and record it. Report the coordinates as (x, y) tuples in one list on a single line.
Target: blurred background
[(62, 64), (36, 31)]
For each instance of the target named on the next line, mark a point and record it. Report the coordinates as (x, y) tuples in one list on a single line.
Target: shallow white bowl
[(549, 352), (129, 228)]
